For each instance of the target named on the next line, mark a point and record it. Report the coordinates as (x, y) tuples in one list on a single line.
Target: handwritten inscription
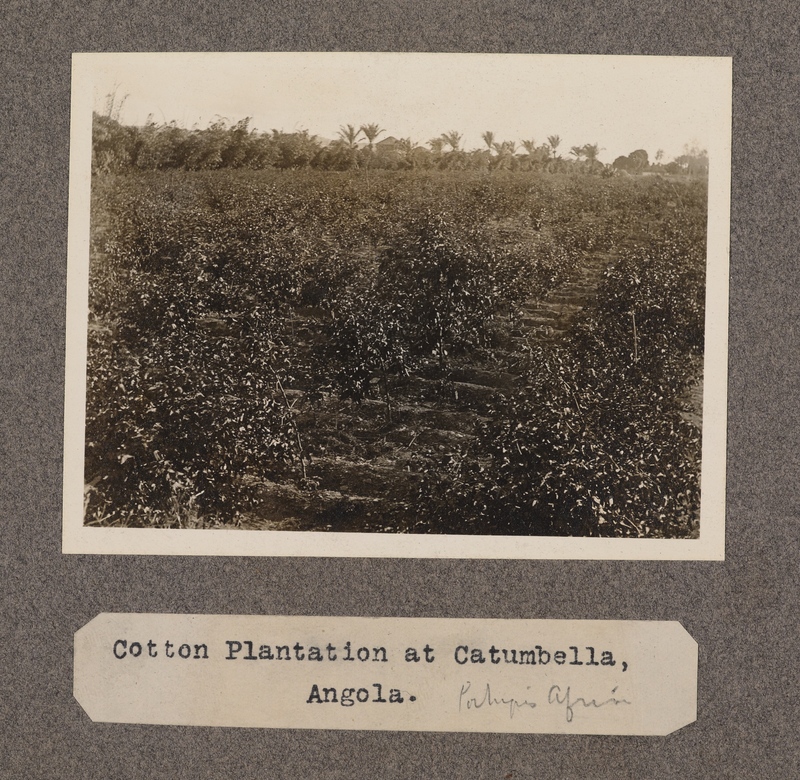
[(570, 701), (487, 699), (481, 697)]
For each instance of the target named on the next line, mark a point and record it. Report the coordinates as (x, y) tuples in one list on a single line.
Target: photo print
[(405, 305)]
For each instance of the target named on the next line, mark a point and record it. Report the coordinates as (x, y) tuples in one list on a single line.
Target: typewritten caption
[(594, 677)]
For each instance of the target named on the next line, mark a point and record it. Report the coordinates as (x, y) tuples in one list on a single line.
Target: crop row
[(597, 443), (225, 305)]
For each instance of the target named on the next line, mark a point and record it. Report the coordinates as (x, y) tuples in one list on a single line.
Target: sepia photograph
[(445, 305)]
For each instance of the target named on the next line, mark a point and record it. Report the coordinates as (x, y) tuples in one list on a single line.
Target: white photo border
[(78, 538)]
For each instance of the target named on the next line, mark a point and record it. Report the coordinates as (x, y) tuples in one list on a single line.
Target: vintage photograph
[(396, 298)]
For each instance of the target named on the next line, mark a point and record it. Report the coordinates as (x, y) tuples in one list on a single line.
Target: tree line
[(120, 148)]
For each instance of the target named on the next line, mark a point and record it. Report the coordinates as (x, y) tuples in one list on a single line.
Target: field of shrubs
[(396, 351)]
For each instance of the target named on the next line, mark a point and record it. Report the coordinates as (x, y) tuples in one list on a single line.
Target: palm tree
[(452, 139), (346, 147), (577, 152), (554, 141), (506, 147), (505, 154), (488, 139), (437, 145), (405, 145), (406, 148), (349, 136), (529, 145), (371, 132), (591, 151)]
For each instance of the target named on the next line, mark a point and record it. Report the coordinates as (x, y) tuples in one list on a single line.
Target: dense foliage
[(120, 148), (356, 350), (596, 443)]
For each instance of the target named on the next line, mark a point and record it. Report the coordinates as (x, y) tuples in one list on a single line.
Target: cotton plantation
[(461, 352)]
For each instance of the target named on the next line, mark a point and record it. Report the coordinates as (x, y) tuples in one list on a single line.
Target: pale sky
[(620, 103)]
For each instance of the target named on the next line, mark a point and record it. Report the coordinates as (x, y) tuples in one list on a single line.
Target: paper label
[(409, 674)]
